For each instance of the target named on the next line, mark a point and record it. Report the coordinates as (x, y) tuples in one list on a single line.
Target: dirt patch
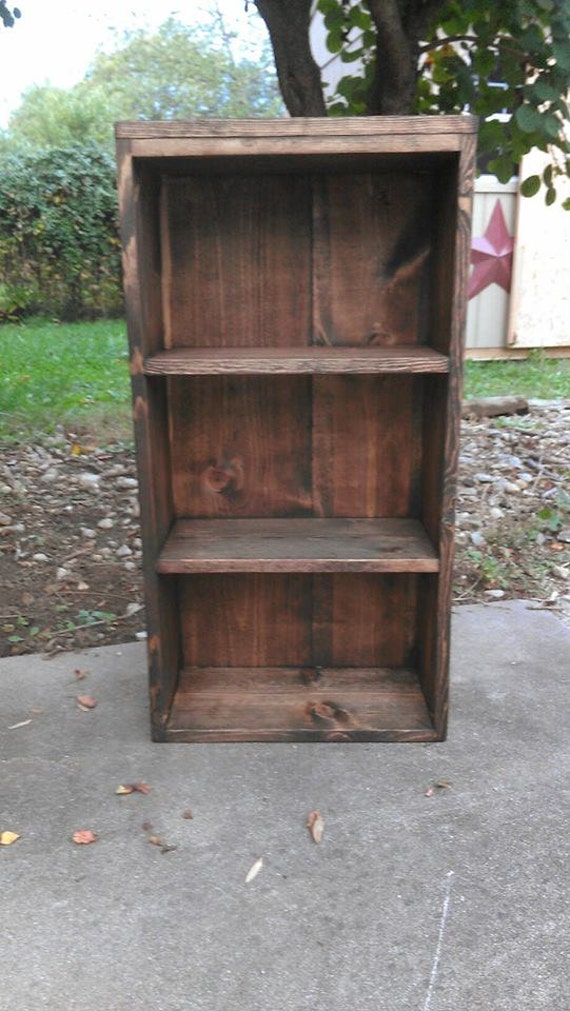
[(70, 549)]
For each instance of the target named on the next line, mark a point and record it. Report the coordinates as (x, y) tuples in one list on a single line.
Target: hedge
[(59, 236)]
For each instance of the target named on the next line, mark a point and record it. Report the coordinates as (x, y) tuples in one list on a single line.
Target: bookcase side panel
[(139, 198), (238, 253), (442, 426)]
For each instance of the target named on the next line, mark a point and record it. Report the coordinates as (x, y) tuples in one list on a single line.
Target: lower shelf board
[(299, 704)]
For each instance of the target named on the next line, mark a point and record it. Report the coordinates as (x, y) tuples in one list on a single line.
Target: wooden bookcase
[(295, 296)]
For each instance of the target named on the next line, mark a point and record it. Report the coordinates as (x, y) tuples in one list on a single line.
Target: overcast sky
[(41, 49)]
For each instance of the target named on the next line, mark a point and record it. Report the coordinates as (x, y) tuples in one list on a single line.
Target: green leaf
[(528, 118), (334, 40), (547, 175), (530, 186), (566, 204), (552, 126), (359, 18), (550, 196), (502, 167), (561, 53), (351, 55), (541, 91)]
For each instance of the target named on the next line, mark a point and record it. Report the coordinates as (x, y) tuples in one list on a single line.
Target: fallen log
[(494, 407)]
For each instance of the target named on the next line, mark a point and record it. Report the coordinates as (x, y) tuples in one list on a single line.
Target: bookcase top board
[(350, 137)]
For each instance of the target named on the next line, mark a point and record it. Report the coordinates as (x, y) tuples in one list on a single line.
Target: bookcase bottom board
[(299, 704)]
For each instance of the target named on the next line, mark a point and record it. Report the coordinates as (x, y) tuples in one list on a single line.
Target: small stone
[(88, 533), (496, 513), (477, 539), (130, 566), (560, 572), (132, 608), (141, 635), (495, 594), (40, 557), (564, 535), (49, 476), (124, 551), (5, 520), (61, 572), (106, 523), (484, 478), (127, 482), (511, 487), (89, 481)]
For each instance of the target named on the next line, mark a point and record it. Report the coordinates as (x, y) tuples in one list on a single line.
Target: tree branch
[(288, 23), (393, 87)]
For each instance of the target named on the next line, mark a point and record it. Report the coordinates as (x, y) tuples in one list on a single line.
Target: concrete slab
[(456, 901)]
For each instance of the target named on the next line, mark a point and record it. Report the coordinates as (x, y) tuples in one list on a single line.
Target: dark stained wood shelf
[(296, 294), (295, 360), (297, 545), (299, 704)]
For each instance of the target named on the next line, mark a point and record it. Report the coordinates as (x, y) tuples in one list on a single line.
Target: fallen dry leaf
[(79, 675), (254, 871), (126, 788), (7, 838), (187, 814), (84, 836), (147, 826), (316, 826), (86, 702), (430, 791), (443, 784), (155, 840)]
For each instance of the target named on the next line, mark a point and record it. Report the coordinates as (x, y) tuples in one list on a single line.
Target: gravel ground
[(70, 548)]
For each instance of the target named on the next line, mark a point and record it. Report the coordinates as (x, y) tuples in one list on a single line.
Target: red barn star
[(492, 255)]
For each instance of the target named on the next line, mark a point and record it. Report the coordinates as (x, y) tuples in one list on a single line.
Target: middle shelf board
[(295, 360), (297, 545)]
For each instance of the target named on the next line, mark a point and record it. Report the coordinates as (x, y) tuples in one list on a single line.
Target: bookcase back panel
[(241, 446), (295, 446), (237, 261), (372, 241), (364, 620), (259, 620), (366, 445)]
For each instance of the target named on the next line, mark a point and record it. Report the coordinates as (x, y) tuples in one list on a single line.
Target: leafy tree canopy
[(8, 15), (432, 56), (177, 72)]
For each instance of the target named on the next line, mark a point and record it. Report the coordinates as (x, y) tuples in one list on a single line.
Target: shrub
[(59, 241)]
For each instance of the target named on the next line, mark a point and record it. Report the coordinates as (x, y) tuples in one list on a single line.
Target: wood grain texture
[(299, 705), (365, 448), (141, 273), (385, 127), (238, 250), (288, 360), (241, 446), (372, 238), (297, 545), (296, 296), (245, 620)]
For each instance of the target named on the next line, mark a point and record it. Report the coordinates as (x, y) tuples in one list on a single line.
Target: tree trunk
[(394, 85), (299, 77)]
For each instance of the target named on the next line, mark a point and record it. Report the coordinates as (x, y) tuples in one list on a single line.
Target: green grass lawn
[(70, 374), (536, 377), (76, 375)]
